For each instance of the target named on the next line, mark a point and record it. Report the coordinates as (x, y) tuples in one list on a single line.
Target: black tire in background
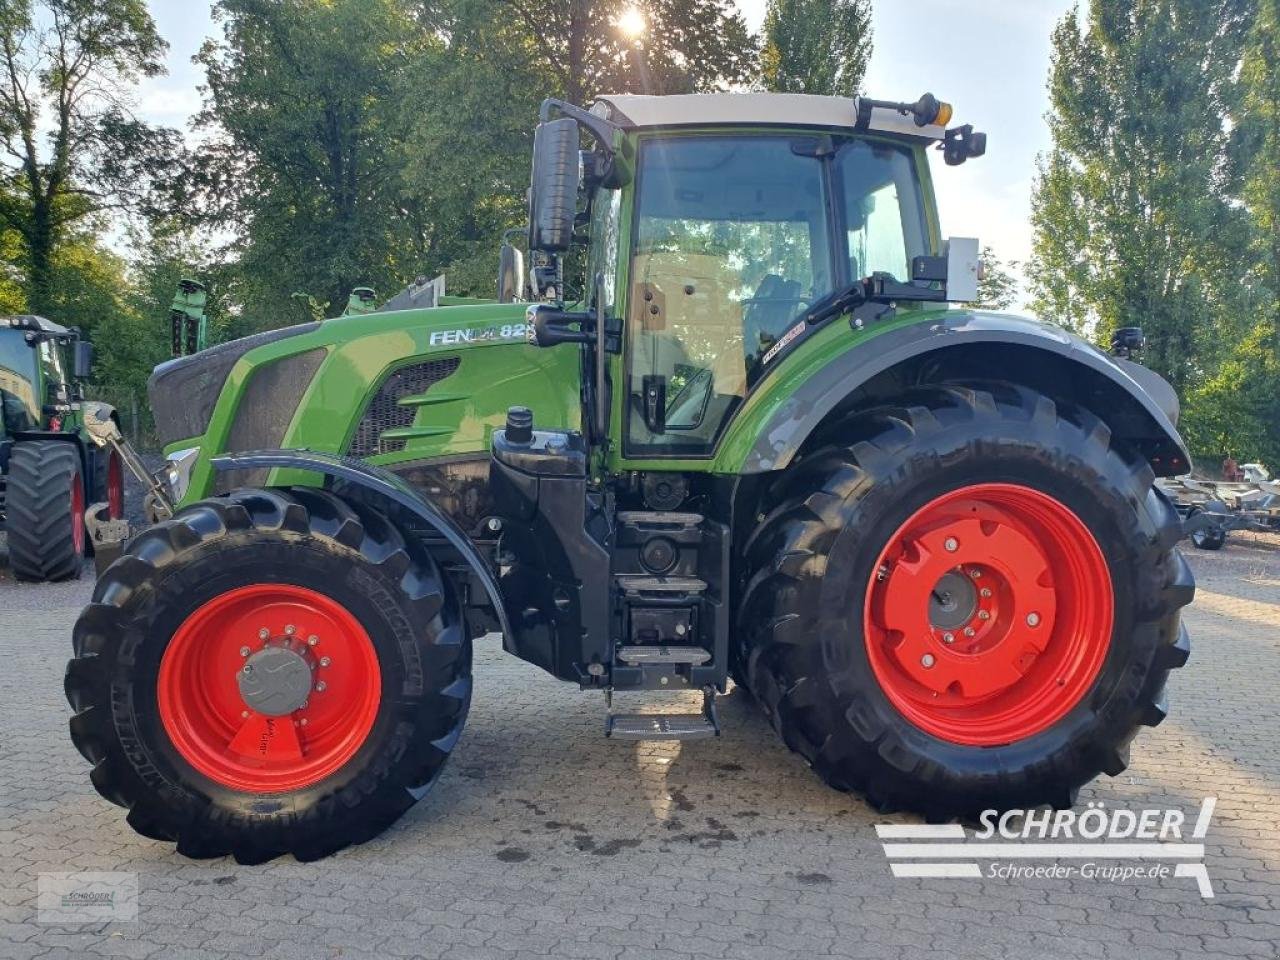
[(44, 508), (1207, 538), (812, 561), (302, 538)]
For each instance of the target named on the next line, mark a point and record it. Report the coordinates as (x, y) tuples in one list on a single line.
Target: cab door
[(731, 243)]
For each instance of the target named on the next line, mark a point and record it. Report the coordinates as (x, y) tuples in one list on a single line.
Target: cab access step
[(665, 726)]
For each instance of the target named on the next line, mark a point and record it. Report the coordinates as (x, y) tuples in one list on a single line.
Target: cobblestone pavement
[(544, 839)]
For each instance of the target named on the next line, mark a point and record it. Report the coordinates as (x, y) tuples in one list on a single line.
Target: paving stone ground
[(543, 839)]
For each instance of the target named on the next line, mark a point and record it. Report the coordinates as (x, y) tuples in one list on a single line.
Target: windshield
[(19, 405), (735, 236)]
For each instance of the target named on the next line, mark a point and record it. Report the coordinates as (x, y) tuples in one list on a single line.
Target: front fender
[(387, 485), (1138, 404)]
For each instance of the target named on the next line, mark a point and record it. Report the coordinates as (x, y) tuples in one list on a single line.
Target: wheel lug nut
[(951, 544), (324, 661), (312, 640), (244, 651), (948, 638), (985, 592), (968, 631), (264, 634), (975, 573), (320, 687), (927, 660), (1033, 619), (244, 714), (303, 721), (290, 630), (983, 615), (248, 668)]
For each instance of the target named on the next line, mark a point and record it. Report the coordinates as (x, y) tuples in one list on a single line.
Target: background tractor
[(751, 438), (52, 474)]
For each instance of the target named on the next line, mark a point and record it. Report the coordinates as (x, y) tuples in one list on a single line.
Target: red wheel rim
[(77, 514), (234, 739), (115, 487), (989, 614)]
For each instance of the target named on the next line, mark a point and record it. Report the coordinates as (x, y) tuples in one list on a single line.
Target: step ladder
[(664, 726)]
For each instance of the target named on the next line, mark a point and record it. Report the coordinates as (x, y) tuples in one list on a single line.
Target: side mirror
[(548, 326), (554, 184), (82, 360), (510, 274)]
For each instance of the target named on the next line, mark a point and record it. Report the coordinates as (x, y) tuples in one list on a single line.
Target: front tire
[(361, 689), (885, 664), (45, 506)]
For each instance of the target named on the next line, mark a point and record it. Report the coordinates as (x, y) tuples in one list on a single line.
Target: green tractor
[(753, 440), (56, 481)]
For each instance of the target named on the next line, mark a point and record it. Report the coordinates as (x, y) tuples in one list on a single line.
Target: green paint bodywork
[(457, 416)]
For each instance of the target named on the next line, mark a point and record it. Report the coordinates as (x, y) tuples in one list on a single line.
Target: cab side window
[(731, 246)]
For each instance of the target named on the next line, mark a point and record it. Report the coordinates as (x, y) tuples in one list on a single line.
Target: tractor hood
[(395, 386)]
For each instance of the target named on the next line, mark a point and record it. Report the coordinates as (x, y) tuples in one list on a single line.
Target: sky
[(990, 60)]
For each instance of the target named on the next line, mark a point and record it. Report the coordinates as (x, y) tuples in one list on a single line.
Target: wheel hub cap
[(275, 681), (990, 614)]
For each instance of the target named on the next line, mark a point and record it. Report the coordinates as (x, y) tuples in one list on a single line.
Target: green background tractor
[(752, 437), (51, 473)]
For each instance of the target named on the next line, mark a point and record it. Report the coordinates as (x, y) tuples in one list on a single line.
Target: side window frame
[(834, 262)]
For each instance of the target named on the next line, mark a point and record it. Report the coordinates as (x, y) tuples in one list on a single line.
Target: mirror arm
[(599, 127)]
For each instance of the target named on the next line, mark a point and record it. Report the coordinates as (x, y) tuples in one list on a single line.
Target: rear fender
[(1135, 402), (386, 486)]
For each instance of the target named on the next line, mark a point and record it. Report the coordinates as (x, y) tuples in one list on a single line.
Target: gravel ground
[(543, 839)]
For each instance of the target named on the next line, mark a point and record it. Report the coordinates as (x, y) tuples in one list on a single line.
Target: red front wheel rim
[(77, 514), (115, 487), (989, 614), (254, 731)]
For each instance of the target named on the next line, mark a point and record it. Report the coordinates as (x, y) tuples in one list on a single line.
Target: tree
[(305, 103), (65, 68), (686, 45), (1133, 221), (1237, 408), (816, 46), (998, 286), (1258, 147)]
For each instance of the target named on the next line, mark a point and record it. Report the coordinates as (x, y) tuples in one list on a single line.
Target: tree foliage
[(998, 285), (1134, 221), (304, 108), (66, 67), (816, 46), (687, 45)]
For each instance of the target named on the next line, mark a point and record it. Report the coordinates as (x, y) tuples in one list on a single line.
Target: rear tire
[(45, 507), (156, 676), (808, 646)]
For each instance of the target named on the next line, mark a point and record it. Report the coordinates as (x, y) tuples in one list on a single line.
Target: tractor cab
[(722, 229), (716, 243)]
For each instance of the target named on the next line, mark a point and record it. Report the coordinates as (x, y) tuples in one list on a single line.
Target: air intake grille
[(384, 411)]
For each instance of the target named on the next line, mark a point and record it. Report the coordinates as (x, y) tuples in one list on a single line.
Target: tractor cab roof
[(635, 111), (30, 323)]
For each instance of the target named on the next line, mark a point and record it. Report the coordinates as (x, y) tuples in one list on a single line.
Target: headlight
[(176, 473)]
